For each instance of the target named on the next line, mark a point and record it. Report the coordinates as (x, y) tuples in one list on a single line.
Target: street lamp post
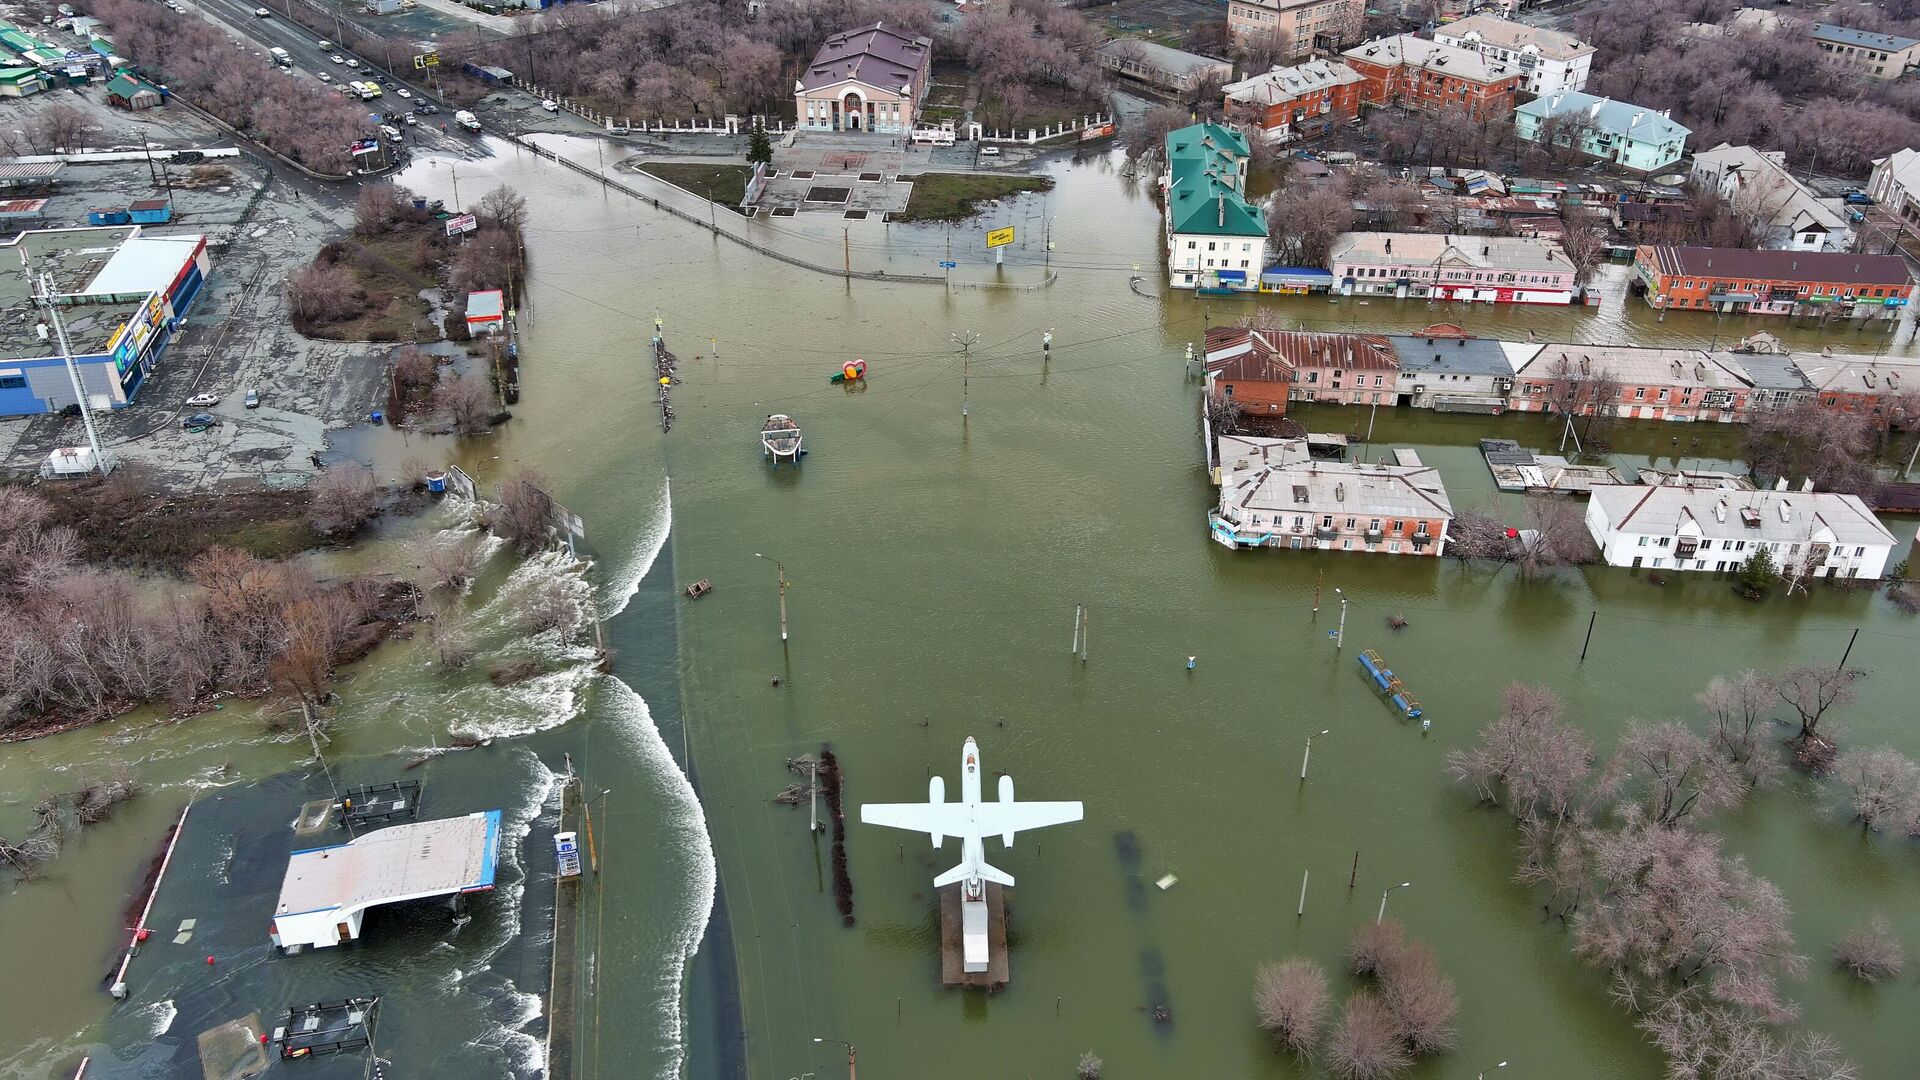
[(1340, 633), (850, 1054), (1484, 1072), (1384, 893), (1309, 751), (777, 565)]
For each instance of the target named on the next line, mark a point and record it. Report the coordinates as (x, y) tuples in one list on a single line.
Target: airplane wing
[(935, 819), (1007, 818)]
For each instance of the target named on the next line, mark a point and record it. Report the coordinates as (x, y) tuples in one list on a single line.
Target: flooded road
[(935, 562)]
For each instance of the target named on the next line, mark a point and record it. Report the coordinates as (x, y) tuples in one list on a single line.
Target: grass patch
[(387, 274), (956, 196), (1045, 106), (121, 521), (724, 184)]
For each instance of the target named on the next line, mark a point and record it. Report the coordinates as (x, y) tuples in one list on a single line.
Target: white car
[(550, 105), (323, 76), (202, 401), (336, 58), (404, 92), (262, 13), (323, 43), (353, 63), (410, 119)]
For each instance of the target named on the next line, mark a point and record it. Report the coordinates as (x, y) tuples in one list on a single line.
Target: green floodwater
[(935, 568)]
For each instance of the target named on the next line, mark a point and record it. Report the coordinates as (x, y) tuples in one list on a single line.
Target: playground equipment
[(1396, 690)]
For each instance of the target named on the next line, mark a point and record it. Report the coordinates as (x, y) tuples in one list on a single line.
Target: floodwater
[(936, 560)]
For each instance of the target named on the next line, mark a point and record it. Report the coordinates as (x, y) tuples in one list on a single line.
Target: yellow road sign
[(1000, 237)]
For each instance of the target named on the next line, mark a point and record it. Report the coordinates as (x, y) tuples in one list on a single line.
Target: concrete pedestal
[(952, 950)]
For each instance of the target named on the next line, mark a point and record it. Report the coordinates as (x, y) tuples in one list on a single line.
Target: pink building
[(1654, 384), (1496, 269)]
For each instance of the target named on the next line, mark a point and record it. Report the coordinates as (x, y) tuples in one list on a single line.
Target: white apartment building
[(1552, 61), (1814, 534)]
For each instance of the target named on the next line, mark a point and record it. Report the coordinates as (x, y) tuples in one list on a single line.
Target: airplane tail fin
[(958, 874)]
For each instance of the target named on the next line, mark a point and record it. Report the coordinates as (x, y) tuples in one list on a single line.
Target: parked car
[(323, 76), (203, 401), (411, 119), (550, 105), (1859, 198), (989, 151), (253, 399), (199, 420), (429, 109)]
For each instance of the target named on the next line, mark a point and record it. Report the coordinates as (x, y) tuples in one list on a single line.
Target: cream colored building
[(872, 79), (1303, 26)]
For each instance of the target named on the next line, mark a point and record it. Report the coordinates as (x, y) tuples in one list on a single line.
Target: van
[(392, 133), (467, 120), (989, 151)]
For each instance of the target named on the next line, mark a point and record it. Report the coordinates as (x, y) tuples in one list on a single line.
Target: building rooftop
[(1486, 252), (1273, 355), (1611, 117), (1862, 39), (1766, 371), (1492, 30), (1859, 373), (1451, 355), (1286, 83), (874, 55), (1824, 266), (1156, 55), (1410, 51), (143, 265), (1772, 516), (1635, 366), (1204, 180), (1336, 487), (75, 258), (1240, 452), (1761, 178), (400, 862)]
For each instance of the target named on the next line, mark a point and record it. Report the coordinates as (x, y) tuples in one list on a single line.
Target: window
[(13, 382), (1211, 245), (1639, 393), (1643, 542), (1374, 525), (1420, 529), (1349, 524), (1326, 521), (1192, 244)]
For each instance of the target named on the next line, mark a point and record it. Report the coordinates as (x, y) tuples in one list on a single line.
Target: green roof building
[(21, 81), (1215, 238)]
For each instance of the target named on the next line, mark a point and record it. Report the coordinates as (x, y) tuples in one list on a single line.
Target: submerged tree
[(1366, 1043), (1882, 784), (1529, 756), (1737, 707), (1291, 998), (1870, 951)]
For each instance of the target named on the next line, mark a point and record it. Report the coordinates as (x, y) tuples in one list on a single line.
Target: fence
[(1093, 127)]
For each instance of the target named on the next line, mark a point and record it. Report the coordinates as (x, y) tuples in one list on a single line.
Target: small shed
[(18, 212), (130, 91), (485, 311), (488, 74), (109, 215), (150, 211)]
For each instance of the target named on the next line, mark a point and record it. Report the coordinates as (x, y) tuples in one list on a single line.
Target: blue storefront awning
[(1296, 275), (1232, 275)]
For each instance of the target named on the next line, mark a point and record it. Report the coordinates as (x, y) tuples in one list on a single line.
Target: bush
[(1291, 998), (1366, 1043), (342, 499), (1870, 951), (1374, 946)]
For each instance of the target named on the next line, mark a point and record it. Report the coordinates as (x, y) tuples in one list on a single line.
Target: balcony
[(1324, 533), (1420, 541), (1374, 536)]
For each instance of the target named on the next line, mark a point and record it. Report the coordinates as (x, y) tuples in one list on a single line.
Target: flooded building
[(1261, 370), (1738, 281), (1498, 269), (1809, 534), (1446, 369), (1216, 240), (1636, 383), (1886, 388), (1285, 499), (1620, 132)]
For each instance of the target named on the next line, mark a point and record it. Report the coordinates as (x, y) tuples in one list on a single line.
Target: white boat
[(781, 437)]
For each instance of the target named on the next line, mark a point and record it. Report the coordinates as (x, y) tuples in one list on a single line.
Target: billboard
[(465, 223), (1000, 237)]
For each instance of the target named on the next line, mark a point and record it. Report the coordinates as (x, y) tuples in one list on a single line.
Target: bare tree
[(1881, 784), (1871, 951), (1421, 999), (342, 499), (1476, 534), (1089, 1066), (62, 127), (415, 369), (1291, 998), (1674, 771), (1147, 136), (550, 603), (324, 293), (1556, 536), (1814, 690), (1304, 219), (503, 208), (1804, 441), (1373, 947), (1366, 1043), (522, 512), (1581, 388), (1737, 707), (1529, 755), (380, 207), (450, 563), (468, 403)]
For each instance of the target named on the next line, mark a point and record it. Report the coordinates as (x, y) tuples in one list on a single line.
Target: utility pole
[(965, 341), (846, 251), (782, 570), (813, 798), (1340, 634), (46, 297), (1047, 265)]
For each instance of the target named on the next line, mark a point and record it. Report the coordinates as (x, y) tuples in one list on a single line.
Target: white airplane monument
[(972, 821)]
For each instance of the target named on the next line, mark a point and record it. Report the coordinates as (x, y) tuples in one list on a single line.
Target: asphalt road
[(302, 45)]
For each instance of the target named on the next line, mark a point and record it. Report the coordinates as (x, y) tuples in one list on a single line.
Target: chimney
[(1780, 484), (1339, 493), (1807, 485), (1486, 249), (1720, 510), (1786, 510)]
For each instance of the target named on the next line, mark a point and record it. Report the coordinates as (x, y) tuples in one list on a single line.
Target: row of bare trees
[(1695, 944), (1405, 1012), (295, 117), (81, 643)]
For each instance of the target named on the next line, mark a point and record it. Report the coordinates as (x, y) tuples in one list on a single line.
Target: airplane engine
[(937, 794), (1006, 796)]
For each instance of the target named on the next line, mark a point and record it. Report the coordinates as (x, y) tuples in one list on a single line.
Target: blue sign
[(949, 265)]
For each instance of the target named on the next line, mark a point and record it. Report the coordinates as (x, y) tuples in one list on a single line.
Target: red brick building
[(1740, 281), (1289, 103), (1261, 370), (1426, 76)]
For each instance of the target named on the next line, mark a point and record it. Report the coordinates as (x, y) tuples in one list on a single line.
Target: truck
[(367, 91), (467, 120), (281, 59)]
